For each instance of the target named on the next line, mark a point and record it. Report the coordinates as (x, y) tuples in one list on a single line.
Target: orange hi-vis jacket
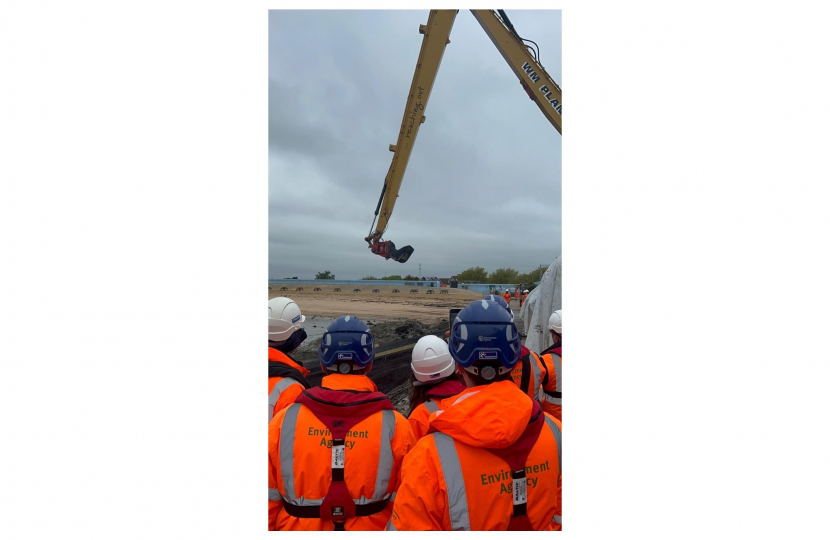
[(419, 417), (308, 464), (531, 375), (507, 297), (459, 477), (552, 403), (286, 381)]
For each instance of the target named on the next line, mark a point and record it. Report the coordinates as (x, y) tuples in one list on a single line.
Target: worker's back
[(492, 458), (286, 381), (300, 464), (456, 478), (438, 398), (334, 456)]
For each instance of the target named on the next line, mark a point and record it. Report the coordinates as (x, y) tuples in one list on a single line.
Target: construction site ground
[(394, 317)]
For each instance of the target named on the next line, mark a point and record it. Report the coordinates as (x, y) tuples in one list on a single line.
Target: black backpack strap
[(525, 360)]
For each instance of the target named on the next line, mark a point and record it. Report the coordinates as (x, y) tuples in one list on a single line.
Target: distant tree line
[(477, 274)]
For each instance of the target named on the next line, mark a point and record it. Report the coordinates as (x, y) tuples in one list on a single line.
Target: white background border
[(133, 208)]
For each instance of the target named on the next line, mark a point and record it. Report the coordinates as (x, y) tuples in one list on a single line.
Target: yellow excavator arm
[(539, 86)]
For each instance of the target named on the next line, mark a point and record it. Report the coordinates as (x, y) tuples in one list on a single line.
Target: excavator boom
[(539, 86), (537, 83), (436, 36)]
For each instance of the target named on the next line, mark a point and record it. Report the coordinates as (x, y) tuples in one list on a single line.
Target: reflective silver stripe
[(557, 366), (274, 396), (456, 491), (389, 526), (431, 406), (557, 519), (537, 376), (557, 434), (274, 494), (553, 400), (386, 459), (289, 425)]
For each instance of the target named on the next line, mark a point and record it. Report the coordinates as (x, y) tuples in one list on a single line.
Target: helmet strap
[(345, 368), (488, 373)]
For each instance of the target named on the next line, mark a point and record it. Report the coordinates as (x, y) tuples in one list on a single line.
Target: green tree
[(475, 274), (324, 275), (503, 275), (396, 276), (369, 277), (410, 277)]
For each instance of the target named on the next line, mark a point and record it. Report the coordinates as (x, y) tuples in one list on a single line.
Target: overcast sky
[(483, 184)]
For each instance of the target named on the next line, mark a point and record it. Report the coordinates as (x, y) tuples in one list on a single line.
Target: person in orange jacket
[(433, 379), (335, 454), (552, 358), (286, 377), (523, 298), (492, 458), (507, 296)]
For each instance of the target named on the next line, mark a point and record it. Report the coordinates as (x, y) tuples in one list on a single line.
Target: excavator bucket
[(400, 255), (387, 250)]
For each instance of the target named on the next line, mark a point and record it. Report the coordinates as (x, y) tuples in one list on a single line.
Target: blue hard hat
[(485, 331), (347, 339), (500, 301)]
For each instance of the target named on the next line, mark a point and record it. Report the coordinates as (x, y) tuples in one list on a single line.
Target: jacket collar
[(358, 383), (278, 356)]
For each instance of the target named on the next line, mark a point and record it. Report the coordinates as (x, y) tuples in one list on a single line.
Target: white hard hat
[(555, 321), (526, 291), (431, 360), (284, 318)]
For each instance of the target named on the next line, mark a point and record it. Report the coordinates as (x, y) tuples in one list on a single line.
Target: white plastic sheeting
[(540, 303)]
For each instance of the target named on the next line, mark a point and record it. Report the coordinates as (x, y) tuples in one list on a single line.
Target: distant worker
[(433, 379), (524, 297), (334, 456), (516, 293), (507, 296), (286, 377), (552, 358), (492, 458)]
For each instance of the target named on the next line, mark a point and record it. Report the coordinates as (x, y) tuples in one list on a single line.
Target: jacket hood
[(489, 416), (358, 383)]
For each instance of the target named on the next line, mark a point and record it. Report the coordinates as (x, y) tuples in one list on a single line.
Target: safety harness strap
[(340, 411), (361, 510)]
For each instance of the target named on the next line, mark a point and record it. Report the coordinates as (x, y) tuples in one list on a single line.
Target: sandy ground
[(384, 305)]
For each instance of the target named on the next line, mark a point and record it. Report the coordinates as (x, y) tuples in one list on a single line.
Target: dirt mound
[(386, 332)]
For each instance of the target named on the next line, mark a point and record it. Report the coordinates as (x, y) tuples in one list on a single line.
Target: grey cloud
[(485, 174)]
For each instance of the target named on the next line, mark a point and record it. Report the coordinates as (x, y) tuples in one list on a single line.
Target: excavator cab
[(387, 250)]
